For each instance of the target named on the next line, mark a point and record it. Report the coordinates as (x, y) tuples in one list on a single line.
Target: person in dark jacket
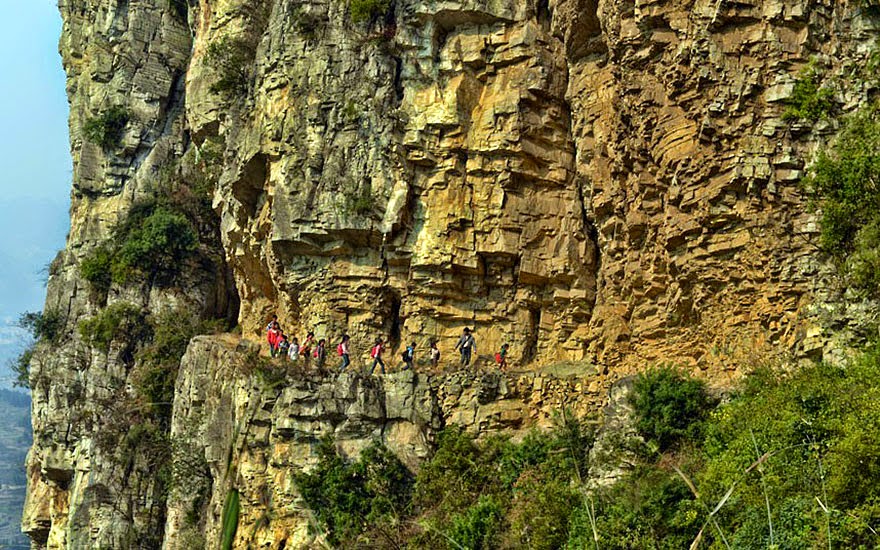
[(467, 346)]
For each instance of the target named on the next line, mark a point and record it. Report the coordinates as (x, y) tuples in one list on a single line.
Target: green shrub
[(21, 367), (156, 372), (95, 268), (107, 128), (351, 498), (477, 526), (842, 181), (158, 245), (46, 326), (364, 11), (648, 508), (119, 321), (230, 58), (669, 406), (808, 100), (540, 512)]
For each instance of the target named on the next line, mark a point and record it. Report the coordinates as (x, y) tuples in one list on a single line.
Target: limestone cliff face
[(601, 181), (254, 437)]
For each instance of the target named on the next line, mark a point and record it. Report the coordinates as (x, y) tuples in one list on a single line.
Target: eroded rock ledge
[(255, 435)]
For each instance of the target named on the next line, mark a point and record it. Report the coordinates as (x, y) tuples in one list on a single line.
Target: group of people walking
[(290, 349)]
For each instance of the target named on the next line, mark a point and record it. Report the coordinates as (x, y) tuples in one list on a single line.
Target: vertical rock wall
[(599, 181)]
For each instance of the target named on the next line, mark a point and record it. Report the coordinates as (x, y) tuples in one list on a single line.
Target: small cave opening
[(250, 186), (530, 348), (542, 10), (394, 329)]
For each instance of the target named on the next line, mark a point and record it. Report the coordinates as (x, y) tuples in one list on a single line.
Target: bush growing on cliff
[(156, 372), (46, 325), (842, 182), (669, 406), (230, 59), (118, 321), (351, 499), (43, 327), (107, 128), (808, 100), (363, 11), (152, 242)]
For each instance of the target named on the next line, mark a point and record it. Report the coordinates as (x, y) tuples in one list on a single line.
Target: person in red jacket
[(273, 336), (376, 355)]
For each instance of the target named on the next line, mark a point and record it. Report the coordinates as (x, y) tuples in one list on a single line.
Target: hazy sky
[(35, 169)]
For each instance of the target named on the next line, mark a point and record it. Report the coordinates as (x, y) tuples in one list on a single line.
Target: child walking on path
[(306, 348), (320, 354), (409, 356), (466, 345), (273, 336), (342, 350), (293, 352), (501, 357), (376, 356), (283, 348), (435, 355)]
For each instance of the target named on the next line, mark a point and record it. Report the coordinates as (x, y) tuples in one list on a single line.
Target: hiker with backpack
[(342, 350), (409, 356), (501, 357), (283, 348), (466, 345), (320, 354), (305, 348), (376, 355)]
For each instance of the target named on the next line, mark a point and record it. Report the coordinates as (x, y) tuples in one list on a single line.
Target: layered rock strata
[(255, 436), (591, 180)]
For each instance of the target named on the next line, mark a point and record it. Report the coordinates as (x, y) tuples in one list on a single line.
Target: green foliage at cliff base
[(796, 450)]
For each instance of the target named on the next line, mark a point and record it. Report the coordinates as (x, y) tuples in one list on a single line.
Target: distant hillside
[(15, 438)]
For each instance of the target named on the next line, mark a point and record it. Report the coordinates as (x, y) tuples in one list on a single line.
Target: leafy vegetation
[(46, 325), (96, 268), (152, 243), (842, 183), (352, 499), (809, 101), (43, 327), (157, 244), (107, 128), (669, 406), (230, 58), (120, 321), (466, 496), (791, 460), (364, 11)]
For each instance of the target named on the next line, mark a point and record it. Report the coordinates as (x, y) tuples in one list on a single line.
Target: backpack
[(405, 356), (498, 358), (315, 354), (375, 351), (340, 350)]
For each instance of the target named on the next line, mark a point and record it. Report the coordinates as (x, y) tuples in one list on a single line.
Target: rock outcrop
[(255, 435), (602, 182)]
